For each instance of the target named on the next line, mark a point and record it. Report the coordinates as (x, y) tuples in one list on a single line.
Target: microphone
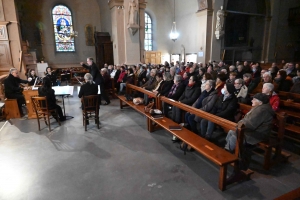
[(78, 80)]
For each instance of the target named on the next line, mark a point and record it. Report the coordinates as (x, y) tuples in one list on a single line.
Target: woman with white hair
[(268, 89), (89, 88)]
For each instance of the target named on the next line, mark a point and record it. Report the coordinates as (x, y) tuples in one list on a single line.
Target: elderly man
[(97, 78), (13, 89), (257, 121)]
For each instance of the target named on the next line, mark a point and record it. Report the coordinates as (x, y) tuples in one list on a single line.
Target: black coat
[(53, 78), (178, 92), (33, 80), (50, 95), (94, 71), (88, 89), (190, 95), (227, 108), (166, 87), (12, 85)]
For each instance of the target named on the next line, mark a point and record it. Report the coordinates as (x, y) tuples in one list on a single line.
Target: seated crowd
[(216, 88)]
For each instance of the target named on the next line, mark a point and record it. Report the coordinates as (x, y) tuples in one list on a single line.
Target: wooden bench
[(211, 151), (276, 140)]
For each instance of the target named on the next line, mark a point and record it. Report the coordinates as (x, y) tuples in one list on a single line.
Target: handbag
[(149, 107), (138, 100)]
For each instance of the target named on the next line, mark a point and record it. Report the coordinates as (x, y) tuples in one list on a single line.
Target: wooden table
[(28, 94)]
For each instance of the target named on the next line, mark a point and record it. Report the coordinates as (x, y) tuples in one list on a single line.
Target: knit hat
[(230, 88), (261, 97)]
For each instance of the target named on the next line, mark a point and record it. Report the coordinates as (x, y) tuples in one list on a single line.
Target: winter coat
[(190, 94), (208, 104), (274, 101), (226, 108), (258, 122)]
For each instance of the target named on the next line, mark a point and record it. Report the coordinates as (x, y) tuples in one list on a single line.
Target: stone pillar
[(216, 44), (127, 37), (117, 18), (266, 42), (132, 38), (142, 30)]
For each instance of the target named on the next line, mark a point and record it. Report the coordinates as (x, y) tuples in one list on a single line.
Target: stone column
[(216, 44), (266, 42), (131, 35), (118, 39), (142, 30)]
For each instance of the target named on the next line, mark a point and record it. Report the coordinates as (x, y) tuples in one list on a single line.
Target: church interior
[(125, 158)]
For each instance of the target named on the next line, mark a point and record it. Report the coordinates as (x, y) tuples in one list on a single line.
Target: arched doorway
[(244, 30)]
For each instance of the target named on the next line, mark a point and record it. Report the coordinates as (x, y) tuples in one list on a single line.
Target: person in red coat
[(274, 98)]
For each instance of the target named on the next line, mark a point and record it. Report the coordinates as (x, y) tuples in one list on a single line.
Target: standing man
[(97, 78), (13, 89)]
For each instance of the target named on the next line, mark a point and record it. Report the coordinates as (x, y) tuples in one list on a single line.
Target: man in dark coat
[(258, 122), (13, 89), (94, 71)]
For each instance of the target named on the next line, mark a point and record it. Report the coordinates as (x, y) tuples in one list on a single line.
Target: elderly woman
[(241, 91), (225, 107), (268, 89), (175, 92), (47, 91), (205, 102), (89, 88)]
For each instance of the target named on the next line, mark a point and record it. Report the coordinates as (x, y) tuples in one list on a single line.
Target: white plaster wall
[(187, 24), (105, 17), (84, 12)]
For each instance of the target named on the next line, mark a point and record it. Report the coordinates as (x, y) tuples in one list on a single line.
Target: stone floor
[(121, 160)]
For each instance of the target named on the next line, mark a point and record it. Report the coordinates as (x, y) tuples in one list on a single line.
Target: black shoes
[(106, 103)]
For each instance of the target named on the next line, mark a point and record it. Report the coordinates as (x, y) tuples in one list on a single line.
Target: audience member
[(255, 130), (189, 96), (283, 83), (268, 89), (225, 107), (241, 91)]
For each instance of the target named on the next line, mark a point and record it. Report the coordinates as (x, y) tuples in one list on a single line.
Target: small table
[(63, 91)]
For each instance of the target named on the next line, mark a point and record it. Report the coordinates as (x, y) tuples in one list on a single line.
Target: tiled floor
[(121, 160)]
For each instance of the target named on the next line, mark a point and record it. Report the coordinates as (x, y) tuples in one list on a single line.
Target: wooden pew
[(275, 142), (211, 151), (292, 195)]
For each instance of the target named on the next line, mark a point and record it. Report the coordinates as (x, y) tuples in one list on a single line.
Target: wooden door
[(153, 57)]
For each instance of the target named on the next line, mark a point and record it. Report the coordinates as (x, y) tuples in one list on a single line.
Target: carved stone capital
[(114, 3), (219, 34)]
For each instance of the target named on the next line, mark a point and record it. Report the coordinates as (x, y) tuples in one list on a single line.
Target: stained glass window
[(63, 29), (148, 33)]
